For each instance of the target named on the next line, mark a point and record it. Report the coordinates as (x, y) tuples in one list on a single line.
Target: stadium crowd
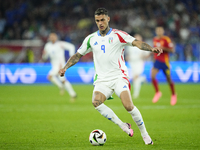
[(73, 20)]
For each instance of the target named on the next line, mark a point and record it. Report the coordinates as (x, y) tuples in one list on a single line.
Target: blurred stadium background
[(26, 24)]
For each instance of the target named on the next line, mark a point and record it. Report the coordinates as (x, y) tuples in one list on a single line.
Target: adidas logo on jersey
[(95, 43), (125, 86)]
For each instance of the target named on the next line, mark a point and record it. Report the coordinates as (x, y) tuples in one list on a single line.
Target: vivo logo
[(191, 71), (25, 75)]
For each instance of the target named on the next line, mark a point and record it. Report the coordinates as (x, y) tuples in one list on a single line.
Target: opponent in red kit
[(161, 62)]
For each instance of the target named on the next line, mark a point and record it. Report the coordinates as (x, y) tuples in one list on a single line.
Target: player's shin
[(55, 80), (69, 89), (137, 86), (137, 117), (172, 88), (155, 84), (109, 114)]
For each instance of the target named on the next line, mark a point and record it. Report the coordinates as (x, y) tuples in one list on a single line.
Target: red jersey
[(165, 42)]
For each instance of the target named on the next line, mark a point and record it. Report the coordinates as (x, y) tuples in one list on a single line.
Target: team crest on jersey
[(110, 40)]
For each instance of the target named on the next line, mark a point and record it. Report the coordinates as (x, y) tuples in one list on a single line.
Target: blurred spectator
[(2, 23), (73, 20), (188, 53), (184, 34)]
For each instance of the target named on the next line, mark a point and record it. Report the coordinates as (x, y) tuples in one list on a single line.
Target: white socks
[(109, 114), (137, 117), (69, 89), (135, 113)]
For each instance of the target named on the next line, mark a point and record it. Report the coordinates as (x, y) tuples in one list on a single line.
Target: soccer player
[(107, 45), (136, 59), (162, 63), (55, 50)]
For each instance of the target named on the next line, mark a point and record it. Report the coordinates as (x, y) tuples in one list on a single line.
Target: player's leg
[(53, 77), (125, 97), (136, 82), (171, 85), (54, 80), (68, 87), (154, 72), (138, 79), (136, 86), (100, 94)]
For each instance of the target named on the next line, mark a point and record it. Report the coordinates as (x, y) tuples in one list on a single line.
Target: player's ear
[(108, 18)]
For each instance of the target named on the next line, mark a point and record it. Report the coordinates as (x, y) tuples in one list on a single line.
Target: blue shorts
[(162, 66)]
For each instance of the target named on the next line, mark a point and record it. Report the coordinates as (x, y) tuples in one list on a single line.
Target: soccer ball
[(97, 137)]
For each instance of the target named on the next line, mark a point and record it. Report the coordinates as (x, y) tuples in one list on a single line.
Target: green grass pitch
[(37, 117)]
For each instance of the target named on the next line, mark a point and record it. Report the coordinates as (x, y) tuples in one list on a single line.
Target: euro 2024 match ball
[(97, 137)]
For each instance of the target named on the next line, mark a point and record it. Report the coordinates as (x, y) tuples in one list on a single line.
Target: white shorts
[(54, 72), (137, 68), (55, 67), (108, 88)]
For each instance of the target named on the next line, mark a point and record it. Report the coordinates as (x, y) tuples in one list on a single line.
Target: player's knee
[(49, 77), (98, 99), (126, 100), (154, 73), (153, 76), (169, 79), (96, 103)]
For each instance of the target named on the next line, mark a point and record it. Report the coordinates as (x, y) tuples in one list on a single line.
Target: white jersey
[(108, 53), (56, 52), (135, 54), (136, 59)]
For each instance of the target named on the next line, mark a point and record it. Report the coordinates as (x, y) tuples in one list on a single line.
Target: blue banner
[(185, 72)]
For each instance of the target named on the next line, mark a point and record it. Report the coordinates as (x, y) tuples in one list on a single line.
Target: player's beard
[(105, 31)]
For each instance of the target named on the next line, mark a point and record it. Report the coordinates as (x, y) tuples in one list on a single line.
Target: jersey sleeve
[(125, 37), (85, 47), (68, 46), (168, 42)]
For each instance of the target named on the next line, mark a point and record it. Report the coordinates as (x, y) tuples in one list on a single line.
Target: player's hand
[(62, 72), (157, 50)]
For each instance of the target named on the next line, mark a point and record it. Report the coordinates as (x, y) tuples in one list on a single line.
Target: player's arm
[(168, 46), (144, 46), (170, 50), (70, 47), (72, 61), (44, 56), (76, 57)]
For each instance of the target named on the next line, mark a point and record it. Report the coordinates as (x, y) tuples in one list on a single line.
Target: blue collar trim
[(106, 34), (98, 33)]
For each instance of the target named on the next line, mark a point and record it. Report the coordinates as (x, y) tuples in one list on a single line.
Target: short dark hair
[(101, 11)]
